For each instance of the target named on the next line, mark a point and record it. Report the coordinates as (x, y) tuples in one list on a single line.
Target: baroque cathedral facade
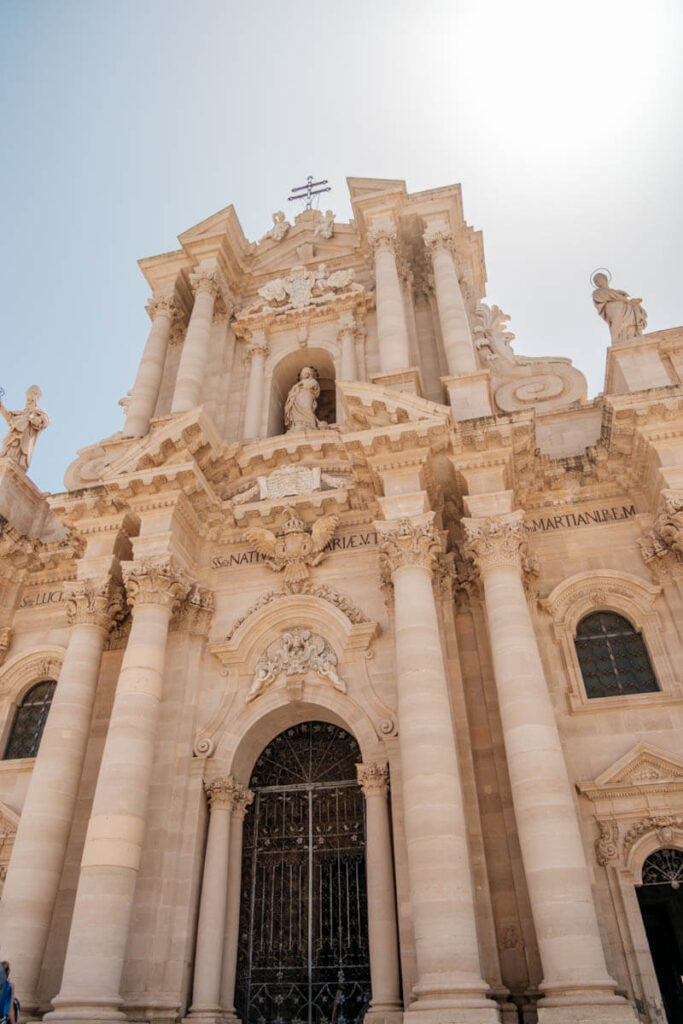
[(345, 679)]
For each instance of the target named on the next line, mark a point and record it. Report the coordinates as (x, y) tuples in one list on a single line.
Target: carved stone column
[(382, 932), (222, 793), (455, 329), (116, 830), (347, 340), (145, 393), (257, 353), (188, 388), (448, 971), (394, 351), (241, 801), (37, 862), (575, 978)]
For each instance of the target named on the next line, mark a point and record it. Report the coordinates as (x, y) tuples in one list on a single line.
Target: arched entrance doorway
[(661, 904), (303, 943)]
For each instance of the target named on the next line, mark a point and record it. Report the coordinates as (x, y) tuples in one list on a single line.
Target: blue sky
[(124, 123)]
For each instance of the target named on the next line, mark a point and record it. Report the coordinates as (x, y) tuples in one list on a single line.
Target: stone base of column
[(586, 1008), (453, 1013), (209, 1016), (470, 395), (385, 1013), (93, 1012), (408, 380)]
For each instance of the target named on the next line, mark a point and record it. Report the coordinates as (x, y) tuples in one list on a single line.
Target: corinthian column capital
[(373, 778), (204, 281), (159, 583), (225, 792), (95, 602), (196, 612), (242, 799), (438, 241), (258, 347), (162, 305), (383, 239), (497, 541), (408, 542)]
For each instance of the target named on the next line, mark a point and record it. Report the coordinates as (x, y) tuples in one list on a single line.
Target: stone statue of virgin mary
[(302, 401)]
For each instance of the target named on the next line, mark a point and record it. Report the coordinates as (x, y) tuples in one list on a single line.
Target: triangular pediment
[(217, 224), (302, 247), (370, 405), (359, 188), (170, 441), (642, 767)]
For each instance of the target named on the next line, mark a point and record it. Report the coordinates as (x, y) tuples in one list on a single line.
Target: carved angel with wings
[(296, 548)]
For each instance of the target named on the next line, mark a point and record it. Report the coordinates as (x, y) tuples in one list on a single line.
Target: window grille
[(29, 721), (664, 867), (613, 657)]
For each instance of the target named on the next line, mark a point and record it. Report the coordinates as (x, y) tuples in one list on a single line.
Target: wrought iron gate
[(303, 953)]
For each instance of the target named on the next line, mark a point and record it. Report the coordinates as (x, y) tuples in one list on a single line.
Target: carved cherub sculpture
[(280, 227), (296, 549), (325, 226), (24, 426)]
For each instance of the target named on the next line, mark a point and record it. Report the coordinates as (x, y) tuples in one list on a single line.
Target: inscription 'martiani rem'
[(572, 519), (351, 542)]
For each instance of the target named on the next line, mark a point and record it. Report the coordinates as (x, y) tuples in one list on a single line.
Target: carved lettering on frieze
[(569, 520)]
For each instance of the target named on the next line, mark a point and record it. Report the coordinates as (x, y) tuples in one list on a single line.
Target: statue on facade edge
[(625, 316), (24, 426)]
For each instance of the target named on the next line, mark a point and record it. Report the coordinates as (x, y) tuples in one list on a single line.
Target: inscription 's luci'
[(351, 541), (42, 597), (570, 520)]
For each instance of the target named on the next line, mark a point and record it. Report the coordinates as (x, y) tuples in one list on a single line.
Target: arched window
[(29, 721), (613, 657)]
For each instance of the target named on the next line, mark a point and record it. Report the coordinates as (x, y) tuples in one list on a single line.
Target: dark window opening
[(29, 721), (613, 657)]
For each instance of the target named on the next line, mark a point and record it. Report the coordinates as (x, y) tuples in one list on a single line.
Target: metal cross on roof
[(310, 189)]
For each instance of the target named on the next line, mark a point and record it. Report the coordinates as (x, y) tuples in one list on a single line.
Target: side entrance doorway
[(661, 904), (303, 943)]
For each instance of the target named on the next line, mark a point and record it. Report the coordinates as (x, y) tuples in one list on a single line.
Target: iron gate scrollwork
[(303, 947)]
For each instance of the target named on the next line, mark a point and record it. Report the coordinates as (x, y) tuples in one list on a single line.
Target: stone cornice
[(333, 307)]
